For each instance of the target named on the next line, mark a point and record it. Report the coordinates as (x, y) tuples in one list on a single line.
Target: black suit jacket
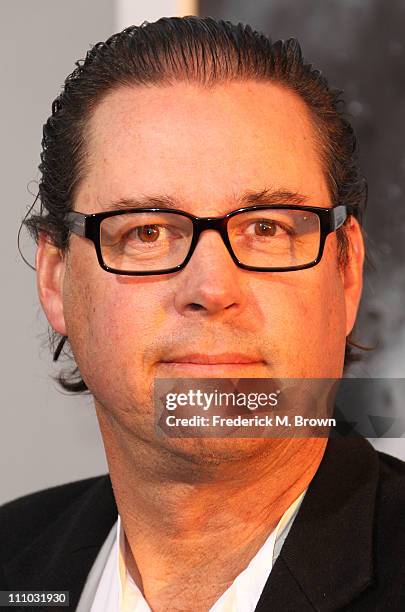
[(345, 550)]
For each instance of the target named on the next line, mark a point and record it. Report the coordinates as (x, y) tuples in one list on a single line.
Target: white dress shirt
[(110, 587)]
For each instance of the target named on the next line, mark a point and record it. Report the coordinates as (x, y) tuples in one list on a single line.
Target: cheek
[(110, 323), (322, 333), (123, 321), (305, 321)]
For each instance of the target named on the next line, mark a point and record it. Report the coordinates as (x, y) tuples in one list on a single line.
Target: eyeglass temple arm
[(76, 222), (339, 216)]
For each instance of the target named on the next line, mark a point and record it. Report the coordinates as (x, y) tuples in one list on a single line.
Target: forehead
[(203, 146)]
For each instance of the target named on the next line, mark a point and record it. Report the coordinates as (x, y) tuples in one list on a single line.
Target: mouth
[(211, 363)]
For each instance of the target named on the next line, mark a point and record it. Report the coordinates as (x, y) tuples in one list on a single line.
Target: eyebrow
[(156, 201), (266, 196)]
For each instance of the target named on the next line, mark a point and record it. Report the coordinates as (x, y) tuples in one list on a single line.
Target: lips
[(220, 358)]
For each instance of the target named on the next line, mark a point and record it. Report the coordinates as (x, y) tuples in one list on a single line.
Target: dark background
[(360, 46)]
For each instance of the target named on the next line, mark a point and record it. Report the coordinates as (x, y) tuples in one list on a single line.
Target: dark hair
[(193, 49)]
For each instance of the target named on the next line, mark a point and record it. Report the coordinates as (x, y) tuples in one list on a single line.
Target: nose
[(211, 282)]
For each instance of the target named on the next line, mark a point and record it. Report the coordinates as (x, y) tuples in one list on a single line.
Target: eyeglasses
[(261, 238)]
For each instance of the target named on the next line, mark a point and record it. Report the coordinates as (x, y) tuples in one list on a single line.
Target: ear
[(352, 272), (50, 266)]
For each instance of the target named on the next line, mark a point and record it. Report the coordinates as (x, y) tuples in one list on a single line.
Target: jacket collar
[(327, 557), (61, 557), (324, 563)]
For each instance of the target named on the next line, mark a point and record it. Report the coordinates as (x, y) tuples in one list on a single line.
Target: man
[(197, 119)]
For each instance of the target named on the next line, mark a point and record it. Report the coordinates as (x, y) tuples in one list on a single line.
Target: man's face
[(204, 148)]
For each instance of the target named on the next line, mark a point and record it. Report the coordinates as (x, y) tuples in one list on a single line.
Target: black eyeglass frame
[(88, 226)]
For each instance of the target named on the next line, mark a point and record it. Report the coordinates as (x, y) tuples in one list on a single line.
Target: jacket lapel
[(326, 559), (68, 547)]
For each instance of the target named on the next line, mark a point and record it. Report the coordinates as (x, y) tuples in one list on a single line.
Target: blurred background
[(48, 437)]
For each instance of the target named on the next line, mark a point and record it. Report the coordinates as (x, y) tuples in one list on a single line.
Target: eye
[(265, 228), (148, 233)]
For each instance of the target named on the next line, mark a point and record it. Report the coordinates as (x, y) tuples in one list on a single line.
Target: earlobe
[(50, 265), (353, 272)]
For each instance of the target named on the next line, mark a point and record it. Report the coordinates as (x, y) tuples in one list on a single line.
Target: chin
[(218, 451)]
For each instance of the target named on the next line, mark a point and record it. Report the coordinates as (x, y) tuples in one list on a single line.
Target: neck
[(193, 506)]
